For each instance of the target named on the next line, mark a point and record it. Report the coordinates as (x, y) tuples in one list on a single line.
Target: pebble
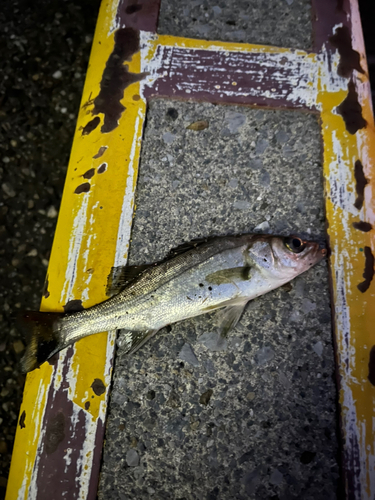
[(32, 253), (168, 137), (18, 346), (57, 74), (234, 121), (264, 355), (276, 477), (6, 159), (263, 226), (132, 458), (187, 354), (8, 189), (318, 348), (242, 205), (52, 212)]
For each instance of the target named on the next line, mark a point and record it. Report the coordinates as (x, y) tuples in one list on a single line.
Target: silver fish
[(221, 273)]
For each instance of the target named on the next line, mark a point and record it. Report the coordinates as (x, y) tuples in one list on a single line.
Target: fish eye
[(295, 245)]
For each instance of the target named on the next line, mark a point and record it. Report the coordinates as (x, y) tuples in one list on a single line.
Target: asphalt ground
[(45, 50)]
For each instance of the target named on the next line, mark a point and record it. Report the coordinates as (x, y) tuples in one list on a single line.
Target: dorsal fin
[(188, 245), (120, 276)]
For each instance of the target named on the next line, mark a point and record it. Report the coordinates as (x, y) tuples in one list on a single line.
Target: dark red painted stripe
[(229, 77)]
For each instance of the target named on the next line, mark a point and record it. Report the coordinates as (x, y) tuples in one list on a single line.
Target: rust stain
[(116, 77), (351, 111), (102, 168), (368, 273), (371, 366), (349, 58), (73, 306), (83, 188), (22, 420), (55, 433), (101, 152), (45, 291), (362, 226), (361, 183), (90, 126), (90, 173), (98, 387)]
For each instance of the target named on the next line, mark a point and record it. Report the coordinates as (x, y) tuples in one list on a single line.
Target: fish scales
[(224, 273)]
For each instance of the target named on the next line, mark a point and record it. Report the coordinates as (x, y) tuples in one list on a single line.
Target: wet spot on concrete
[(98, 387), (351, 111), (151, 395), (102, 168), (91, 125), (307, 457), (116, 77), (22, 420), (73, 306), (361, 183), (172, 113), (90, 173), (87, 405), (131, 9), (55, 433), (101, 151), (205, 397), (349, 58), (45, 291), (362, 226), (371, 366), (83, 188), (368, 273)]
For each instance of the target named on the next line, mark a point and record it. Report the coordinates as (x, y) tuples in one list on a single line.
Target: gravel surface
[(45, 49)]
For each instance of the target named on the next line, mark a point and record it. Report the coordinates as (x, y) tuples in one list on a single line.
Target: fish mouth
[(315, 250)]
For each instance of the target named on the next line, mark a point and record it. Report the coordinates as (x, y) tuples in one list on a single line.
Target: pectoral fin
[(229, 275), (132, 341), (228, 318)]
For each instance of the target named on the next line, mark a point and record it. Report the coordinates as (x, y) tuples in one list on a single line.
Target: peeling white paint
[(67, 459), (75, 242), (341, 182), (125, 223)]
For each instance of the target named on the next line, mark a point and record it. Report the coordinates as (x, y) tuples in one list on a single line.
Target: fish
[(222, 273)]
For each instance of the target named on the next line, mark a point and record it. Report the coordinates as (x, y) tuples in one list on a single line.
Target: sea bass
[(221, 273)]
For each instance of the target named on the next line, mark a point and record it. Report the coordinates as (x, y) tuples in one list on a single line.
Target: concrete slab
[(253, 417), (284, 23)]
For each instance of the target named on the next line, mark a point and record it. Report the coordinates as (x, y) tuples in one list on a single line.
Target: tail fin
[(42, 337)]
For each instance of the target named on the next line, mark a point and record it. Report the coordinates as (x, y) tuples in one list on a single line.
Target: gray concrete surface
[(253, 417), (284, 23)]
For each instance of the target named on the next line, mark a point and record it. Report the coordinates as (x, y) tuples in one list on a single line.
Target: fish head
[(284, 258)]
